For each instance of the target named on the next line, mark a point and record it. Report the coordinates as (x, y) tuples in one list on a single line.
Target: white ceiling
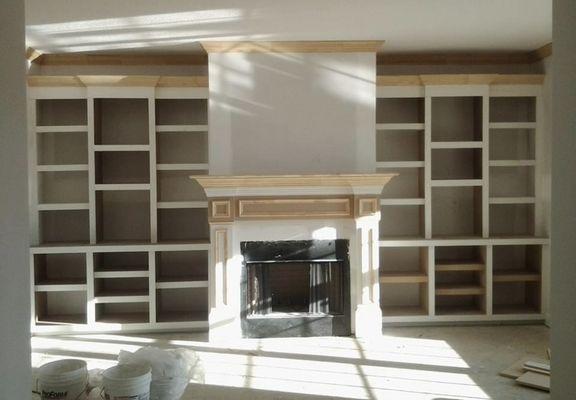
[(177, 25)]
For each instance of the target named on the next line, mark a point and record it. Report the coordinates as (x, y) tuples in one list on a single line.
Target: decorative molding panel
[(294, 208), (367, 206), (222, 210), (220, 251)]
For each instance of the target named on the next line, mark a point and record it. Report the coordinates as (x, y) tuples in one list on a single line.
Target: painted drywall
[(15, 382), (563, 296), (291, 113), (176, 25)]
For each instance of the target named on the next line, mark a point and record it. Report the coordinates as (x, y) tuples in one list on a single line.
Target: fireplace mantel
[(292, 196), (288, 207)]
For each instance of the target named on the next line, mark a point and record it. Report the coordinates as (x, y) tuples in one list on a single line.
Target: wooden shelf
[(512, 163), (515, 276), (122, 186), (167, 129), (62, 168), (456, 182), (182, 167), (459, 290), (449, 266), (124, 298), (402, 202), (400, 126), (182, 204), (180, 316), (512, 125), (396, 311), (403, 277), (62, 129), (124, 318), (457, 145), (121, 147), (60, 287), (121, 274), (181, 284), (512, 200), (63, 206), (400, 164)]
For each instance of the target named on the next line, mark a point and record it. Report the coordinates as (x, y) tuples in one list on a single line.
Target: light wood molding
[(121, 59), (367, 206), (262, 181), (117, 81), (294, 208), (221, 210), (468, 58), (459, 79), (322, 46), (32, 54), (541, 52)]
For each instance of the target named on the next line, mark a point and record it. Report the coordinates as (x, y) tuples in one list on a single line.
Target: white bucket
[(127, 382), (63, 380)]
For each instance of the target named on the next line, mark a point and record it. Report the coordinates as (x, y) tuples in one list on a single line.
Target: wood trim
[(541, 52), (459, 79), (221, 210), (366, 206), (294, 208), (117, 81), (121, 59), (260, 181), (32, 54), (220, 254), (323, 46), (479, 58)]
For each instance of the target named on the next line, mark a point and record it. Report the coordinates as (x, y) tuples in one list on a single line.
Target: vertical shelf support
[(91, 171), (428, 166), (486, 164), (153, 175), (90, 284), (431, 281), (152, 286), (488, 278)]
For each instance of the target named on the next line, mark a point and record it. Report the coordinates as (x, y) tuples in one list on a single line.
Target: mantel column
[(368, 315), (223, 319)]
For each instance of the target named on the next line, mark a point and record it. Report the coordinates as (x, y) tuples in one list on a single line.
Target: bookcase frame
[(123, 309), (527, 209)]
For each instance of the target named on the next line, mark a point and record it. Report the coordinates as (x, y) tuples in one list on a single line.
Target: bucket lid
[(123, 372), (68, 369)]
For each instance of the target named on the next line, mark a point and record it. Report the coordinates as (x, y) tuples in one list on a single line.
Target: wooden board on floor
[(517, 369), (542, 368), (535, 380)]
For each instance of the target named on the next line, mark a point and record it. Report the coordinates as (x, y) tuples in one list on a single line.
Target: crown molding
[(312, 46)]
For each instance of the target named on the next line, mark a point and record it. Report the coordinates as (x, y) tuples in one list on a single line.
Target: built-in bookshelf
[(120, 232), (461, 234)]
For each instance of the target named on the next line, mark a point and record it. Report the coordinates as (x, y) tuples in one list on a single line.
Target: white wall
[(291, 113), (14, 271), (563, 295)]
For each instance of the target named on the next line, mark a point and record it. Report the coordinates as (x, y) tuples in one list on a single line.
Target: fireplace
[(295, 288)]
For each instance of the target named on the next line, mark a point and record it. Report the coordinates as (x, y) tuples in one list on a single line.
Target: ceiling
[(109, 26)]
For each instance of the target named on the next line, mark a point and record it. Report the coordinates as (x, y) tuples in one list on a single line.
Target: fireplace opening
[(295, 288)]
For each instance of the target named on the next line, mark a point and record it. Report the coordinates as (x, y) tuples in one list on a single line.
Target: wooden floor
[(437, 363)]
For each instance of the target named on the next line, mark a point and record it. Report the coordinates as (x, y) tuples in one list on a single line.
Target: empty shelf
[(182, 204), (182, 284), (404, 277), (444, 266), (402, 202), (122, 147), (512, 200), (512, 125), (122, 186), (512, 163), (182, 167), (458, 290), (457, 145), (181, 128), (400, 164), (63, 206), (60, 287), (399, 311), (515, 276), (400, 126), (62, 129), (456, 182), (62, 167), (117, 298), (121, 274)]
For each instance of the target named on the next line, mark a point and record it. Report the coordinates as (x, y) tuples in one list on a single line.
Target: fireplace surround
[(310, 211), (295, 288)]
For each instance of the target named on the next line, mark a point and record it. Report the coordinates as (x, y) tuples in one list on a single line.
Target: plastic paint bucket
[(63, 380), (127, 382)]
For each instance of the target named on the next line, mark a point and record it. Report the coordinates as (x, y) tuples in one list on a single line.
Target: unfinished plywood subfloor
[(406, 363)]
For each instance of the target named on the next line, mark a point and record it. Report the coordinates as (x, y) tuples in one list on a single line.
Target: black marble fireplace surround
[(295, 288)]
